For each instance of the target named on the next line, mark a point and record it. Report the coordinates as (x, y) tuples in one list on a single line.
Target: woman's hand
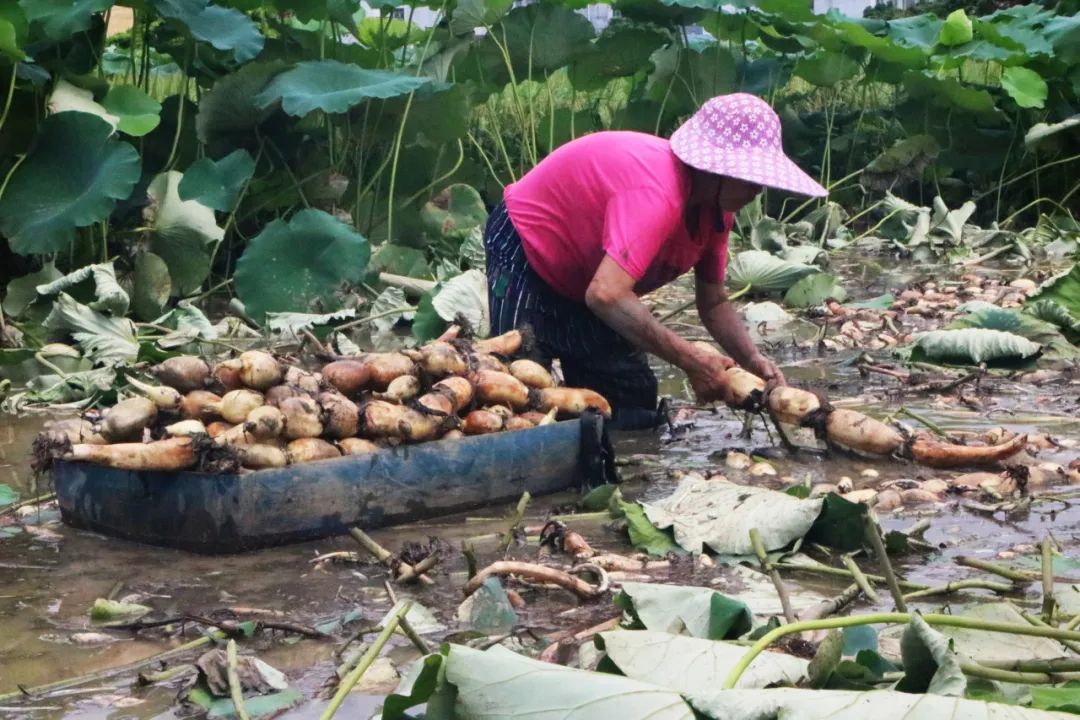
[(709, 381), (766, 369)]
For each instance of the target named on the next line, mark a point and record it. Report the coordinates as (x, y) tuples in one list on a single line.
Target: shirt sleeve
[(637, 222), (713, 263)]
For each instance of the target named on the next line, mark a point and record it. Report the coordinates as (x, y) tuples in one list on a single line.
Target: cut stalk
[(873, 534), (1017, 576), (1048, 602), (860, 579), (236, 692), (774, 575), (515, 521), (366, 661), (958, 586)]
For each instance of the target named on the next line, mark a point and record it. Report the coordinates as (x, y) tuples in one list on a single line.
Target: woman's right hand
[(708, 379)]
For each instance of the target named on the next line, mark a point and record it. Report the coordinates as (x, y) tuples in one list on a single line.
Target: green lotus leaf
[(138, 113), (543, 37), (1025, 86), (454, 212), (975, 345), (183, 229), (764, 272), (217, 183), (920, 31), (298, 265), (949, 92), (60, 19), (151, 286), (225, 28), (13, 31), (814, 290), (333, 87), (471, 14), (106, 340), (619, 52), (22, 291), (957, 29), (826, 69), (66, 97), (38, 213)]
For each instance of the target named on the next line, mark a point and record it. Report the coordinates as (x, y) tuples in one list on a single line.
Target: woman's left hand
[(767, 370)]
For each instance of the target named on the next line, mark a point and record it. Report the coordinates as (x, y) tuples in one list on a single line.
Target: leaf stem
[(8, 99), (959, 585), (873, 534), (1017, 576), (861, 580), (774, 575), (1048, 601), (957, 621), (235, 689)]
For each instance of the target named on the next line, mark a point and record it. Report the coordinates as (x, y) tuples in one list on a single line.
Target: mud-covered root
[(280, 393), (458, 389), (348, 377), (167, 399), (540, 574), (483, 422), (558, 536), (340, 415), (356, 446), (302, 380), (46, 449), (260, 456), (441, 359), (225, 377), (200, 405), (483, 361), (218, 428), (310, 449), (379, 419), (126, 420), (532, 373), (264, 423), (747, 389), (183, 373), (436, 403), (518, 422), (508, 344), (259, 370), (791, 405), (572, 401), (303, 418), (945, 455), (416, 426), (74, 430), (496, 388), (400, 389), (384, 368), (235, 405), (162, 455), (859, 433)]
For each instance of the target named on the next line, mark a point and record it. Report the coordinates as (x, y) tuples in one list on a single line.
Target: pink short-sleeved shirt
[(620, 194)]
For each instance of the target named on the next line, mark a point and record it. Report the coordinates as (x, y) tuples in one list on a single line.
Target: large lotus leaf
[(106, 340), (13, 31), (1063, 32), (1063, 289), (699, 612), (957, 29), (974, 345), (905, 160), (721, 514), (21, 292), (798, 704), (499, 683), (182, 231), (96, 285), (689, 77), (764, 273), (60, 19), (72, 178), (920, 31), (880, 47), (1041, 131), (229, 113), (470, 14), (401, 260), (454, 212), (1025, 86), (217, 183), (985, 646), (138, 113), (948, 92), (685, 664), (298, 265), (814, 290), (225, 28), (1052, 312), (66, 97), (543, 37), (151, 286), (1024, 324), (826, 69), (333, 87), (464, 297), (930, 663), (619, 52)]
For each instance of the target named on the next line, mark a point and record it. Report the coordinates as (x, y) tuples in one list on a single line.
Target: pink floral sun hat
[(738, 135)]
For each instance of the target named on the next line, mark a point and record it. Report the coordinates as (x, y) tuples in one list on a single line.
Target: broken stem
[(1024, 678), (515, 521), (1048, 602), (873, 534), (860, 579), (959, 585), (1017, 576), (384, 556), (236, 692), (832, 605), (774, 575), (957, 621), (366, 660), (1037, 622), (841, 572)]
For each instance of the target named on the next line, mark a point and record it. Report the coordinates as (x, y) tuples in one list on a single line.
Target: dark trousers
[(591, 354)]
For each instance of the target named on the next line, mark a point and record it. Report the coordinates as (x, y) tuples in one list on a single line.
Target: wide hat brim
[(762, 166)]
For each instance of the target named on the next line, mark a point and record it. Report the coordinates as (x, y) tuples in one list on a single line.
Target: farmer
[(614, 215)]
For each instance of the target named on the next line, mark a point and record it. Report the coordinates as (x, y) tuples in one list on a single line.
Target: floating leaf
[(1024, 324), (685, 663), (217, 183), (991, 646), (764, 272), (720, 514), (107, 294), (814, 290), (137, 112), (107, 340), (682, 610), (974, 345), (298, 265), (1025, 86), (333, 87), (38, 215), (107, 611)]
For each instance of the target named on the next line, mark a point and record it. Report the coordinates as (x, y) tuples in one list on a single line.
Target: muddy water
[(50, 574)]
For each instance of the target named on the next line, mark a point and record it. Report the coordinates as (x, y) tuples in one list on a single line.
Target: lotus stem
[(236, 691), (515, 521), (957, 621), (1017, 576), (1054, 665), (832, 605), (873, 534), (365, 661), (1048, 601), (959, 585), (1037, 622), (841, 572), (774, 575), (1024, 678), (861, 579)]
